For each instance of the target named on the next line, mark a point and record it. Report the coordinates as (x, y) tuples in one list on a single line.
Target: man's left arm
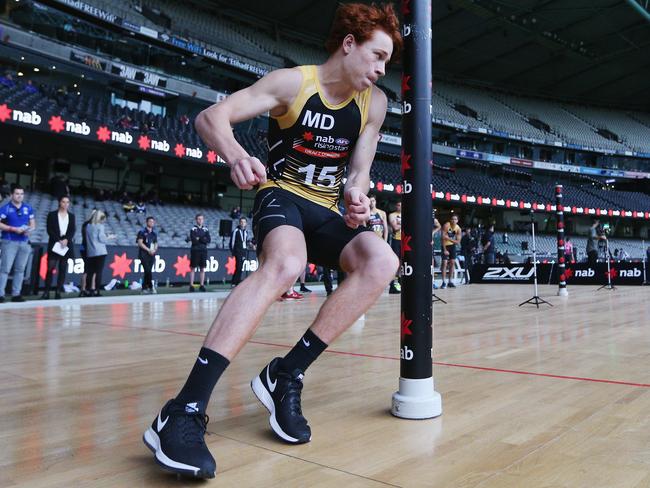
[(358, 183)]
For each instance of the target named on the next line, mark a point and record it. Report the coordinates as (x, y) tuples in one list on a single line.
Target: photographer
[(596, 236)]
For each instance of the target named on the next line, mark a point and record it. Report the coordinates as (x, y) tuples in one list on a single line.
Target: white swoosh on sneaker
[(268, 381), (160, 424), (306, 343), (203, 361)]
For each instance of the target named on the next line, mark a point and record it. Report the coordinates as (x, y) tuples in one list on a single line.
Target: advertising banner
[(171, 264), (622, 273)]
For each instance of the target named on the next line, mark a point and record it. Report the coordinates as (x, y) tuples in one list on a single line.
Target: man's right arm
[(276, 90)]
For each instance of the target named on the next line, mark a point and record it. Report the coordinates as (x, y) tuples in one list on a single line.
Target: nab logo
[(318, 120), (407, 269), (408, 188), (249, 265), (75, 128), (406, 353), (123, 137), (158, 266), (629, 273), (584, 273), (27, 117), (160, 146)]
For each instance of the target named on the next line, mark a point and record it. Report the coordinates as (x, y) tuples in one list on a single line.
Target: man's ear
[(348, 44)]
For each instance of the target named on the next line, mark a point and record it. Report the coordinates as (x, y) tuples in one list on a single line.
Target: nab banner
[(547, 273), (122, 263)]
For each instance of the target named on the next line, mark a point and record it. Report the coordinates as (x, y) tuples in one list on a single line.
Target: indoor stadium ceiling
[(593, 50)]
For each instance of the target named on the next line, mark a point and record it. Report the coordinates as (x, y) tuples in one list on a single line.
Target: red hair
[(361, 21)]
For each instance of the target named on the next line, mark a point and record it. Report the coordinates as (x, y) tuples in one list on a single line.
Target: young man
[(593, 242), (436, 228), (200, 238), (450, 237), (377, 220), (16, 221), (238, 246), (147, 241), (295, 218), (489, 245), (395, 222)]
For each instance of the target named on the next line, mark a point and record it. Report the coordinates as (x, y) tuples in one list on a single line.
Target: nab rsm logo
[(501, 273)]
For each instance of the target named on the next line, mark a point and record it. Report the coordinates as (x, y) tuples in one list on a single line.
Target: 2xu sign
[(547, 273)]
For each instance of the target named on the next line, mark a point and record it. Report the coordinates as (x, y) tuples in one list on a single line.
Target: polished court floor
[(555, 397)]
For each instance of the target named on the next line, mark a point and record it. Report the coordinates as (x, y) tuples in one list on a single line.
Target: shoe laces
[(193, 426), (293, 389)]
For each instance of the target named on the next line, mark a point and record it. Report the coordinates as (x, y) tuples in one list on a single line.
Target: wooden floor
[(556, 397)]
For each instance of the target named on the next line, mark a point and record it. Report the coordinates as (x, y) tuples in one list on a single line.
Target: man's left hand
[(357, 206)]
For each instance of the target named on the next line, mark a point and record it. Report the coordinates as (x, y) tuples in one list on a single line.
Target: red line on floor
[(479, 368), (376, 356)]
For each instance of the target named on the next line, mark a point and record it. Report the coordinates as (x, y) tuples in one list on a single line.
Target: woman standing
[(84, 256), (96, 240), (60, 229)]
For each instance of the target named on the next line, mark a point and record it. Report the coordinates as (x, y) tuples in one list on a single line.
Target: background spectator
[(16, 221), (147, 241), (96, 251), (61, 229)]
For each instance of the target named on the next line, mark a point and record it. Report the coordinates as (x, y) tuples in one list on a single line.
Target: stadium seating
[(173, 221), (569, 123)]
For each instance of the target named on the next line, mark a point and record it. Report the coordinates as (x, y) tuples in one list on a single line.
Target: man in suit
[(238, 246), (60, 229)]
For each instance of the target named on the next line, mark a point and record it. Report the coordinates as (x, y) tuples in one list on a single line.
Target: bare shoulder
[(284, 83), (378, 105)]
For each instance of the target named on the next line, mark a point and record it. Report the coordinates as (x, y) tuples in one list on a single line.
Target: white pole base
[(416, 399), (563, 292)]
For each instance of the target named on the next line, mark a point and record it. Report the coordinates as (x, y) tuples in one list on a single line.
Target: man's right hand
[(247, 172), (18, 230)]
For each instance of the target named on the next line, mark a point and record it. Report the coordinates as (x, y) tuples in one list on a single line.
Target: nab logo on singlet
[(318, 120)]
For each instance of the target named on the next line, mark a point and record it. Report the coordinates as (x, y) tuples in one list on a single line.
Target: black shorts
[(452, 252), (325, 231), (396, 246), (198, 257)]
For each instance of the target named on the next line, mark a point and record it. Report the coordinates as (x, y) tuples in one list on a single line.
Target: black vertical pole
[(416, 397), (561, 264)]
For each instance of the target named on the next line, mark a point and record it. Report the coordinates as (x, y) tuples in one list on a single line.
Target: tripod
[(535, 300), (608, 285)]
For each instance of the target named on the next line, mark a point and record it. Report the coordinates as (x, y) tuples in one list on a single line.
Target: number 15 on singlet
[(326, 178)]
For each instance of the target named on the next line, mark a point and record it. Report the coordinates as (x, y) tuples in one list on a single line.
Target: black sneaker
[(192, 290), (281, 397), (304, 289), (451, 285), (18, 299), (443, 286), (202, 288), (176, 439), (2, 299)]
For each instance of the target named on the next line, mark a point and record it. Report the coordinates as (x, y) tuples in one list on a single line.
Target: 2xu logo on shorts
[(502, 273)]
